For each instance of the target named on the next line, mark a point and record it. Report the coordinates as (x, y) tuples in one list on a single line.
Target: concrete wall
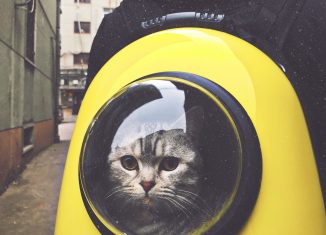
[(26, 88)]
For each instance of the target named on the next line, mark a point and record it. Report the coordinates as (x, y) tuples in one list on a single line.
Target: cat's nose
[(147, 185)]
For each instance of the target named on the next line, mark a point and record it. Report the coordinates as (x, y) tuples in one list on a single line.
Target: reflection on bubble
[(162, 158)]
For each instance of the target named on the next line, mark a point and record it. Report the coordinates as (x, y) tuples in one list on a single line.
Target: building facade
[(80, 20), (29, 50)]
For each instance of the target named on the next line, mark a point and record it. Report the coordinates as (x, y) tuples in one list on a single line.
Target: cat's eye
[(169, 163), (129, 162)]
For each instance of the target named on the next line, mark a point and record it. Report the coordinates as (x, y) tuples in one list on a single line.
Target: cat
[(155, 181)]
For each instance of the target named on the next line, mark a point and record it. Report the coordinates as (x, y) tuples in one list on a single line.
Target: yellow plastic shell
[(290, 199)]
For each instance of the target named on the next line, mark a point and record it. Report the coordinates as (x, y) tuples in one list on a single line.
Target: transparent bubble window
[(161, 157)]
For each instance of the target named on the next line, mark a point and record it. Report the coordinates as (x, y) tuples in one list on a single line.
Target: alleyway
[(28, 207)]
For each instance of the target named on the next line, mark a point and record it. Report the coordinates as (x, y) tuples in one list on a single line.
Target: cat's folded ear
[(195, 122)]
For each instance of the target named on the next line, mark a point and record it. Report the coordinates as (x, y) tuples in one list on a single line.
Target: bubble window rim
[(227, 220)]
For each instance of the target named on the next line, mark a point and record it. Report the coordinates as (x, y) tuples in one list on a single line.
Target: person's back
[(122, 26), (291, 32)]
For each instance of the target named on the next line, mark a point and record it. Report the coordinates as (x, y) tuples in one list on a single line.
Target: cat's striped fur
[(173, 205)]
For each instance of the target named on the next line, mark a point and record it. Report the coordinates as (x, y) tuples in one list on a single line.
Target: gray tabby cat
[(155, 181)]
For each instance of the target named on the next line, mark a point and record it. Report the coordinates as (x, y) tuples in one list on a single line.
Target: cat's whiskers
[(118, 190), (177, 205), (192, 203), (175, 197), (189, 214), (186, 191), (196, 196), (178, 191), (113, 189), (183, 201), (164, 193)]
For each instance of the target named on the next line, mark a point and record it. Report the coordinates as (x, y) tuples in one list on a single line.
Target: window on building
[(30, 37), (64, 82), (82, 27), (81, 58), (83, 1)]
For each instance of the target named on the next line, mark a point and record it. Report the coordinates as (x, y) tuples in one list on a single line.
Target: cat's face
[(158, 166), (157, 177)]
